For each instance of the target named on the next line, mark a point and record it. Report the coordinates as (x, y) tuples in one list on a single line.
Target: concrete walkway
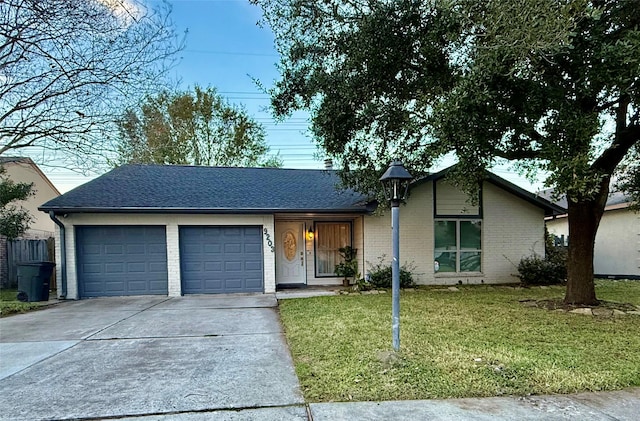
[(209, 358)]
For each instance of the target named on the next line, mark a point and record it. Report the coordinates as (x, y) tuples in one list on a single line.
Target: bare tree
[(67, 69)]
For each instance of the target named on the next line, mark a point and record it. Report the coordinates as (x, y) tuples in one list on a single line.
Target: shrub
[(380, 275), (348, 268), (534, 270)]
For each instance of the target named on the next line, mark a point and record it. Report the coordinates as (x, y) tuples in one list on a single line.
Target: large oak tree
[(68, 66), (551, 85)]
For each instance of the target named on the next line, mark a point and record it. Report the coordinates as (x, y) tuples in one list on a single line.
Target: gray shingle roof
[(186, 189), (5, 159), (615, 198)]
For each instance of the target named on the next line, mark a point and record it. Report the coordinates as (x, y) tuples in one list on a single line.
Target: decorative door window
[(289, 246)]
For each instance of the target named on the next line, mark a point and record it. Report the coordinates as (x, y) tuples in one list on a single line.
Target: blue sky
[(226, 49)]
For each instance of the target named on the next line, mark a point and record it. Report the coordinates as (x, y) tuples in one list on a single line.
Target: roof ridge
[(223, 167)]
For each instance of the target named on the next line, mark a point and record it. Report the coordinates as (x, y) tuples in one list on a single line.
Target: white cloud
[(128, 11)]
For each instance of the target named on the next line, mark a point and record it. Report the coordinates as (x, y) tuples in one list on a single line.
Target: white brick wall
[(173, 260), (72, 284), (511, 228), (269, 255), (172, 222), (416, 234)]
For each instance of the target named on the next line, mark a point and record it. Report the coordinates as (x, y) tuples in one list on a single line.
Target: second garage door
[(221, 259)]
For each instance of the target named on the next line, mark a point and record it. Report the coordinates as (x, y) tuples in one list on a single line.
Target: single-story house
[(617, 246), (174, 230)]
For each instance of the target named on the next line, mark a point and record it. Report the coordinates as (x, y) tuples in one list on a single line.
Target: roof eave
[(219, 211)]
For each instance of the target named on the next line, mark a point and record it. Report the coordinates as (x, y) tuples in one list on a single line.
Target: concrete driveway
[(196, 357)]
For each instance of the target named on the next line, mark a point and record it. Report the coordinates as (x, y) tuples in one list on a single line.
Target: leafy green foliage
[(14, 220), (197, 128), (380, 275), (550, 85), (535, 270), (529, 82), (550, 270), (348, 267)]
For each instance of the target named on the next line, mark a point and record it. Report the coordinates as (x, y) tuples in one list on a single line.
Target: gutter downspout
[(63, 254)]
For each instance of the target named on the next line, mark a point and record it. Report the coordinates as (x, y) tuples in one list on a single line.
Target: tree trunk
[(584, 218)]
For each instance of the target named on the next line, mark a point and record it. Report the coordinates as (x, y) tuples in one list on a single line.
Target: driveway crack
[(123, 319)]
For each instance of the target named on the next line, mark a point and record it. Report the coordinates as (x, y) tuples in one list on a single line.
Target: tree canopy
[(550, 85), (14, 219), (67, 66), (196, 128)]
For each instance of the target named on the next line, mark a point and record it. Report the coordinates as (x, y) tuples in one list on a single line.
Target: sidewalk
[(622, 405)]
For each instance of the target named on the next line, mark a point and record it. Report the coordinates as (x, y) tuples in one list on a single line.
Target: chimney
[(328, 164)]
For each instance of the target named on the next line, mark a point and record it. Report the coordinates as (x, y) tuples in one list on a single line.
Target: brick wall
[(511, 229), (416, 234)]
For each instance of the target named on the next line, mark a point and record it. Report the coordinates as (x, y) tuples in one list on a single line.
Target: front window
[(330, 236), (458, 245)]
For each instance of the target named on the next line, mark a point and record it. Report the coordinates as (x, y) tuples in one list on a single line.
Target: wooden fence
[(23, 250)]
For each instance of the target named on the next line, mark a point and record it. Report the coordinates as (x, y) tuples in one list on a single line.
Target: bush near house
[(550, 270), (380, 275)]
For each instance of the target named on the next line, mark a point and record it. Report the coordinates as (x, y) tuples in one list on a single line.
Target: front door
[(290, 260)]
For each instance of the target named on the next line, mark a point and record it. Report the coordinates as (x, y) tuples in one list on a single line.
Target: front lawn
[(478, 341), (9, 304)]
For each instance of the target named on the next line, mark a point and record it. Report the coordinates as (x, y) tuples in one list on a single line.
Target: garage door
[(121, 260), (216, 260)]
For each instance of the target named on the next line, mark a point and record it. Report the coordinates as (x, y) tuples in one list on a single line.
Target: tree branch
[(625, 137)]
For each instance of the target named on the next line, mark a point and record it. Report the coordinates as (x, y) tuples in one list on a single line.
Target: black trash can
[(33, 280)]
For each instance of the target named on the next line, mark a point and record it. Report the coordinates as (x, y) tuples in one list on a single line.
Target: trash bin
[(33, 280)]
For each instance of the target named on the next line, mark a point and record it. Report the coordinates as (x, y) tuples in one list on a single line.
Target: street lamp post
[(396, 183)]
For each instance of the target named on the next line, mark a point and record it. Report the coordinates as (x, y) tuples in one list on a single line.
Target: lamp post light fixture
[(396, 184)]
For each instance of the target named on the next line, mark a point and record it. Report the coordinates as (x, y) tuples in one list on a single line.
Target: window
[(458, 245), (330, 236)]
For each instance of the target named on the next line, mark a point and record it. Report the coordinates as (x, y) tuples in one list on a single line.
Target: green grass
[(9, 304), (477, 342)]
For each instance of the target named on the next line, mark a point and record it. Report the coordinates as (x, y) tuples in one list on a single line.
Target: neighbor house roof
[(616, 199), (194, 189), (549, 207), (28, 161)]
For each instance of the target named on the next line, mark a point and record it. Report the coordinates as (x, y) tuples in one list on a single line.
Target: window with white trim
[(458, 245), (330, 237)]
